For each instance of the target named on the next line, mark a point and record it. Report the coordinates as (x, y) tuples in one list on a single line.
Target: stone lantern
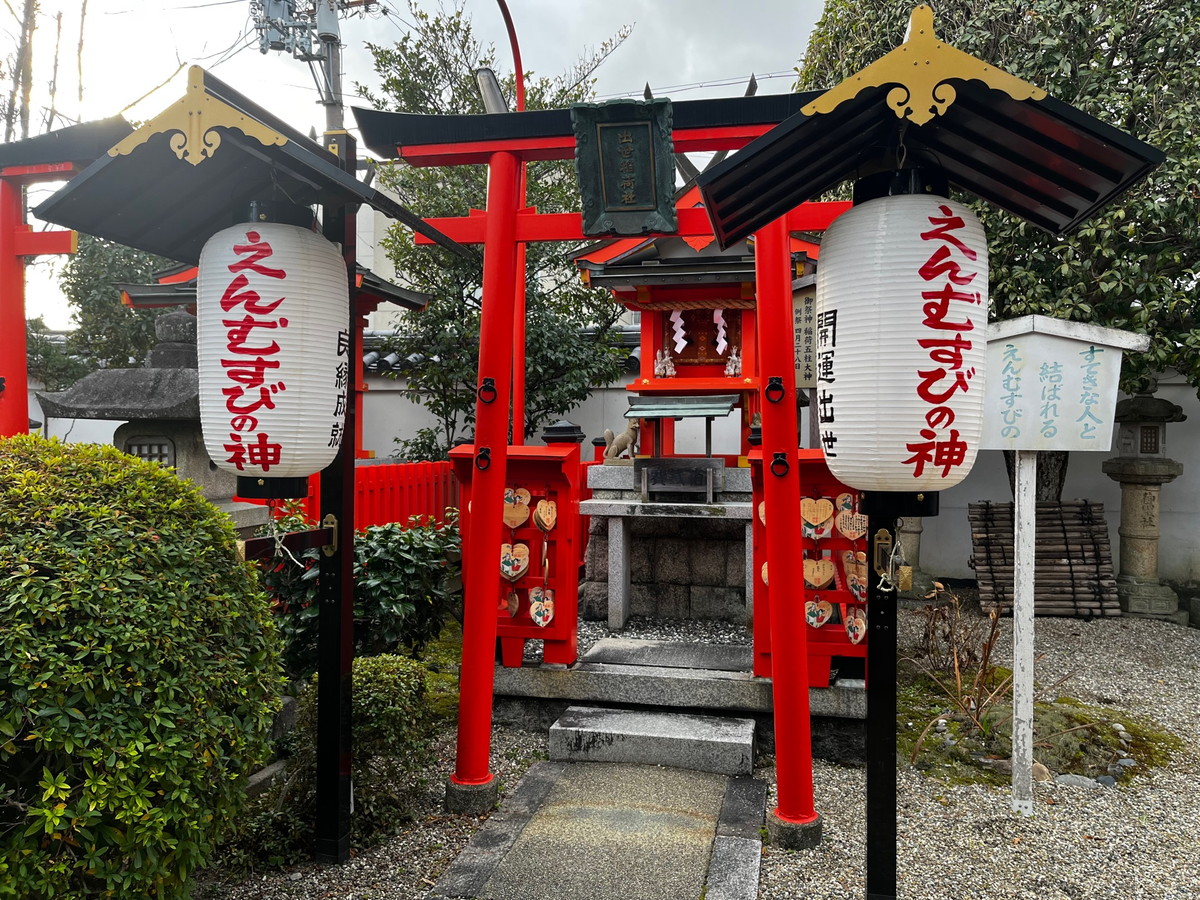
[(162, 415), (1141, 468)]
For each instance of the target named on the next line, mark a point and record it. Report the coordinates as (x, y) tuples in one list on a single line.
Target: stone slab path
[(616, 831)]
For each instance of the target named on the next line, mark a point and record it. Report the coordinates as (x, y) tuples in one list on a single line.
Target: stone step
[(666, 675), (671, 654), (677, 740)]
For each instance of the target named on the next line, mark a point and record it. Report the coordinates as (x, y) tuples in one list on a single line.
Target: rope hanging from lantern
[(277, 534)]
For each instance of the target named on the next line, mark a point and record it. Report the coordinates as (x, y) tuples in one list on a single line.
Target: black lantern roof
[(194, 170), (927, 103), (80, 144)]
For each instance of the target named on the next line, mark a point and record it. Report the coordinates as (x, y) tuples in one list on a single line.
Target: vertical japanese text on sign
[(941, 445)]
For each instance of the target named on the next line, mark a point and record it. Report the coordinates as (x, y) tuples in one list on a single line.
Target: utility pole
[(312, 36), (330, 38)]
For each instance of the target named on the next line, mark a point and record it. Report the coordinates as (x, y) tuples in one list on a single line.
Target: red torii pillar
[(781, 493), (472, 786), (17, 241)]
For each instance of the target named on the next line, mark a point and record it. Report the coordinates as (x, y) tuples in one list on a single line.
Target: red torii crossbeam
[(18, 241)]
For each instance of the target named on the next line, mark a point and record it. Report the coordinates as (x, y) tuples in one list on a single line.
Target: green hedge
[(407, 584), (393, 725), (139, 674)]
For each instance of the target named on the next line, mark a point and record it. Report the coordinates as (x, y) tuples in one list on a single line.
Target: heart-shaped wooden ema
[(855, 563), (818, 612), (856, 625), (545, 515), (818, 573), (845, 501), (541, 606), (514, 560), (514, 603), (516, 507), (762, 511), (851, 525), (814, 512), (858, 589)]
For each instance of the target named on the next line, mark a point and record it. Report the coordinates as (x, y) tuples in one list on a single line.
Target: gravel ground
[(1139, 840)]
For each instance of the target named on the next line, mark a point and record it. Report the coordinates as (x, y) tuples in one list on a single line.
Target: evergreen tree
[(109, 335), (1130, 63), (570, 338), (47, 361)]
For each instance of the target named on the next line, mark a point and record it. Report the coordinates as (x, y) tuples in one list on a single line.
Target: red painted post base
[(472, 799), (790, 835)]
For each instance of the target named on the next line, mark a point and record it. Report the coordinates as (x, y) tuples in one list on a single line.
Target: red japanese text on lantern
[(947, 319), (250, 358)]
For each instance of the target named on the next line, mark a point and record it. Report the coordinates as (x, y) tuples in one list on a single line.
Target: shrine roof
[(195, 168), (629, 262), (177, 287)]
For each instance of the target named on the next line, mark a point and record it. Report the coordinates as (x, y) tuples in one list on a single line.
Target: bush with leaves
[(392, 731), (139, 674), (406, 585)]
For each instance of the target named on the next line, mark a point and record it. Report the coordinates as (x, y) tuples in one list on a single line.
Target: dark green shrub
[(139, 674), (406, 585), (393, 724)]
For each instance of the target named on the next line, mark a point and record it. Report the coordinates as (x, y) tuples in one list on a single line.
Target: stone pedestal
[(669, 559), (1138, 588), (909, 534)]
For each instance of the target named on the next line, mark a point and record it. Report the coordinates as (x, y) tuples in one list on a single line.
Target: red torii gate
[(55, 156), (17, 242), (505, 144)]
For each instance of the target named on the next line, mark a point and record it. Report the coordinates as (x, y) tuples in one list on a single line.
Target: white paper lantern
[(273, 349), (902, 298)]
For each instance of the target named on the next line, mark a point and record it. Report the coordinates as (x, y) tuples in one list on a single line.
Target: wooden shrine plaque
[(700, 330)]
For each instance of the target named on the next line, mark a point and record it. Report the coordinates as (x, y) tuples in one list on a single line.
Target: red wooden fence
[(392, 492)]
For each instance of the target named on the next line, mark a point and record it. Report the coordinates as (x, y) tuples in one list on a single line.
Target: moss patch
[(1069, 736), (442, 659)]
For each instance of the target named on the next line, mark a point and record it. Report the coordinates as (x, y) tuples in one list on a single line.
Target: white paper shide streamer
[(273, 345), (676, 319), (902, 297)]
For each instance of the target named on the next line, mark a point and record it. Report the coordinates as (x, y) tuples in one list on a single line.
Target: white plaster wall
[(388, 413), (946, 542), (84, 431)]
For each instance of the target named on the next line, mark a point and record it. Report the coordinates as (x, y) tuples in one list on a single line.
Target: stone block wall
[(679, 569)]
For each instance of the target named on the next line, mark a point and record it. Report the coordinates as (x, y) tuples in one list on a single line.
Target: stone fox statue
[(625, 442)]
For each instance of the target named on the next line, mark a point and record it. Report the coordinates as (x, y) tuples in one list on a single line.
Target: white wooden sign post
[(1052, 385)]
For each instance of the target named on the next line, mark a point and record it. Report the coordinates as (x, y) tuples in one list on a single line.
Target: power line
[(207, 5), (698, 85)]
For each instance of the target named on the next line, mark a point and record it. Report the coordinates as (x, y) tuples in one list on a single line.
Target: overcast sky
[(685, 49)]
